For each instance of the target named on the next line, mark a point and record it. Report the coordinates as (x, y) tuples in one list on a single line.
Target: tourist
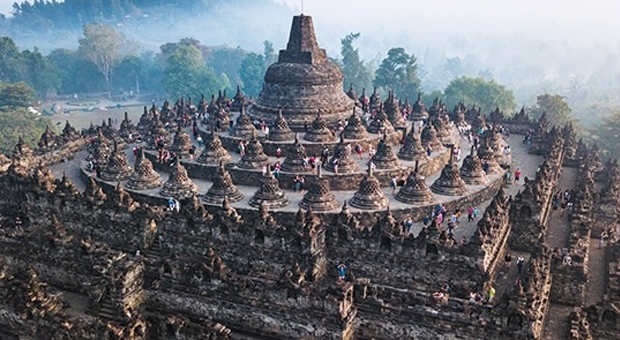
[(192, 152), (297, 184), (429, 151), (507, 261), (470, 213), (335, 164), (601, 241), (324, 156), (241, 148), (517, 175), (476, 212), (264, 170), (491, 294), (342, 272), (359, 150), (520, 262), (393, 184), (371, 151), (200, 141), (278, 153), (276, 170)]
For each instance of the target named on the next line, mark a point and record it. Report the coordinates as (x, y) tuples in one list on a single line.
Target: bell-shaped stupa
[(450, 182), (302, 83), (178, 184), (269, 193), (369, 195), (319, 196), (144, 176), (222, 188), (472, 172), (415, 191), (280, 131)]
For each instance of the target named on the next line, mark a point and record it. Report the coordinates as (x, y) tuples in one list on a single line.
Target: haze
[(530, 46)]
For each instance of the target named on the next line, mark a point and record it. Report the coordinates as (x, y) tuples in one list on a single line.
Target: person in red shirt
[(517, 175)]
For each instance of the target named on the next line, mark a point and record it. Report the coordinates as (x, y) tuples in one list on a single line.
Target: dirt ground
[(82, 117)]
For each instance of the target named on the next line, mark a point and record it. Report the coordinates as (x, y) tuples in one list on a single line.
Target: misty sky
[(578, 21)]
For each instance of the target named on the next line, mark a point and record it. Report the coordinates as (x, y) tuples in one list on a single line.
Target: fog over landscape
[(527, 45)]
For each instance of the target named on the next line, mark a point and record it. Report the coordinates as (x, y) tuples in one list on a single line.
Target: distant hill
[(48, 25)]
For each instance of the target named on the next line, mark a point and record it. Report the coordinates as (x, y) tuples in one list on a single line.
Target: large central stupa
[(302, 83)]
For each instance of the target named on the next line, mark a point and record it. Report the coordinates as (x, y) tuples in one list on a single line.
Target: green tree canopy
[(187, 75), (40, 73), (557, 109), (486, 94), (77, 75), (105, 47), (251, 72), (15, 96), (20, 122), (398, 72), (354, 71), (607, 134), (10, 66), (253, 67)]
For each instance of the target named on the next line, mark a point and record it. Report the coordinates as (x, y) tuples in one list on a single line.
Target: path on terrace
[(557, 236), (597, 274)]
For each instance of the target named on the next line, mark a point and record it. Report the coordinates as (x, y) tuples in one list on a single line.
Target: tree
[(251, 72), (40, 73), (14, 96), (398, 72), (104, 47), (557, 109), (607, 134), (187, 75), (20, 122), (227, 61), (269, 53), (10, 66), (77, 75), (486, 94), (353, 69)]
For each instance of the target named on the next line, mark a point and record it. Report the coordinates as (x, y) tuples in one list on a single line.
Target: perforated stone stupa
[(369, 195), (280, 131), (270, 195), (254, 157), (385, 157), (143, 176), (295, 155), (222, 188), (471, 170), (413, 148), (346, 163), (181, 143), (244, 127), (117, 168), (302, 83), (319, 196), (214, 152), (450, 182), (178, 184), (415, 191), (355, 128)]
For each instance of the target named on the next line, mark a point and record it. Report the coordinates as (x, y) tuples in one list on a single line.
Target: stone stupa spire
[(302, 82), (143, 176), (415, 191), (369, 195), (222, 188)]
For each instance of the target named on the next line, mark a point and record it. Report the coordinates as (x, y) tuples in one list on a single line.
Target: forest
[(104, 57)]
